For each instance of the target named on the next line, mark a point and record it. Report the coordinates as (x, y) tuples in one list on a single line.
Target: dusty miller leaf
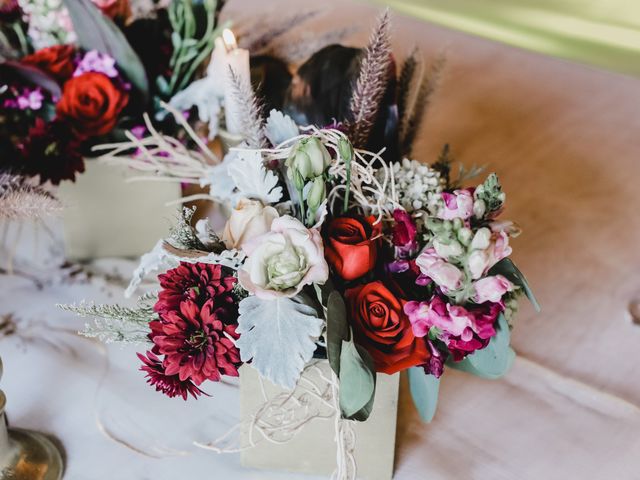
[(253, 179), (357, 382), (278, 336), (280, 127), (424, 391)]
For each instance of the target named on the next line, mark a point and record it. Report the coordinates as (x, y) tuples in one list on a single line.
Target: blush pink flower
[(458, 204), (444, 274), (491, 289), (198, 342)]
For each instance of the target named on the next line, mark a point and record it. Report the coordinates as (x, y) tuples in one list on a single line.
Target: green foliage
[(97, 32), (346, 152), (191, 45), (491, 193), (337, 329), (357, 381), (424, 391)]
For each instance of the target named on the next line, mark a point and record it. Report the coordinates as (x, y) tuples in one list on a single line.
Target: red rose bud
[(57, 61), (351, 246), (91, 103), (383, 329)]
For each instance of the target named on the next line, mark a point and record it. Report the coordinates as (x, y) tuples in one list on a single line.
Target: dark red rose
[(57, 61), (197, 342), (91, 103), (52, 151), (198, 282), (170, 385), (351, 245), (381, 326)]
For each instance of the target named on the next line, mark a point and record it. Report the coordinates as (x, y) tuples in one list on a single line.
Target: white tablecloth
[(564, 140)]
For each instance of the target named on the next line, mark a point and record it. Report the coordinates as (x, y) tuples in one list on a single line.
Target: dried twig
[(406, 82), (371, 83), (250, 112)]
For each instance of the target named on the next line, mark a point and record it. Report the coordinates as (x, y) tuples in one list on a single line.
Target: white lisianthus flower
[(283, 260), (249, 219)]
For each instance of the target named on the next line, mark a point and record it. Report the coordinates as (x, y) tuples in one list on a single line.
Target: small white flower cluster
[(417, 185), (49, 22)]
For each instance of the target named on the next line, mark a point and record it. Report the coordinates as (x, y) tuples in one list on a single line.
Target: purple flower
[(94, 61), (29, 99)]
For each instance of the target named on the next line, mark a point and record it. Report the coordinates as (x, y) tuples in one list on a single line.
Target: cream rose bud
[(249, 219), (308, 159), (282, 261), (317, 194)]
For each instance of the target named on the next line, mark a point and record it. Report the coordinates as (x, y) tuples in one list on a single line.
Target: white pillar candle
[(237, 60)]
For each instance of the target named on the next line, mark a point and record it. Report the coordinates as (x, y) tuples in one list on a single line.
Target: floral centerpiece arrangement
[(73, 73), (330, 251)]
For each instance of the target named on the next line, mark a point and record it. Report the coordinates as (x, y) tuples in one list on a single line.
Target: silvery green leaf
[(204, 95), (156, 260), (252, 179), (280, 127), (96, 31), (278, 336), (494, 360), (424, 391), (508, 269), (337, 328), (357, 381)]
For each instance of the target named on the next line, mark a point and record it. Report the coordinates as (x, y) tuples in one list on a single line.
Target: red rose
[(114, 8), (381, 326), (351, 245), (91, 103), (57, 61)]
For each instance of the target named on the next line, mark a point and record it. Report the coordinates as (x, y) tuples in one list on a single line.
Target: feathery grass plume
[(406, 82), (21, 201), (413, 118), (250, 111), (371, 83)]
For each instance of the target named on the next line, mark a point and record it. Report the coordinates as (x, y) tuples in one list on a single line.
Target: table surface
[(565, 140)]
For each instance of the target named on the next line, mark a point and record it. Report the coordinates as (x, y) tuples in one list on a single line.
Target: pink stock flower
[(458, 204), (197, 342), (446, 275), (491, 289), (464, 330)]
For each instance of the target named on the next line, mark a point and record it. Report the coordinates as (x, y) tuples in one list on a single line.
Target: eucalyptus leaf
[(337, 329), (95, 31), (35, 76), (424, 391), (494, 360), (508, 269), (357, 381), (278, 336)]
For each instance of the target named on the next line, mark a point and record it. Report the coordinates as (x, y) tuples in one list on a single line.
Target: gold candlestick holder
[(25, 454)]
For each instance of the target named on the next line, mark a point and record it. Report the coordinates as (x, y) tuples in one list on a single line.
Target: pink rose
[(491, 289), (446, 276), (458, 204)]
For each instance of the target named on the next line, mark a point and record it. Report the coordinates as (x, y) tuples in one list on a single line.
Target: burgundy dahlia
[(52, 151), (198, 342), (197, 282), (170, 385)]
